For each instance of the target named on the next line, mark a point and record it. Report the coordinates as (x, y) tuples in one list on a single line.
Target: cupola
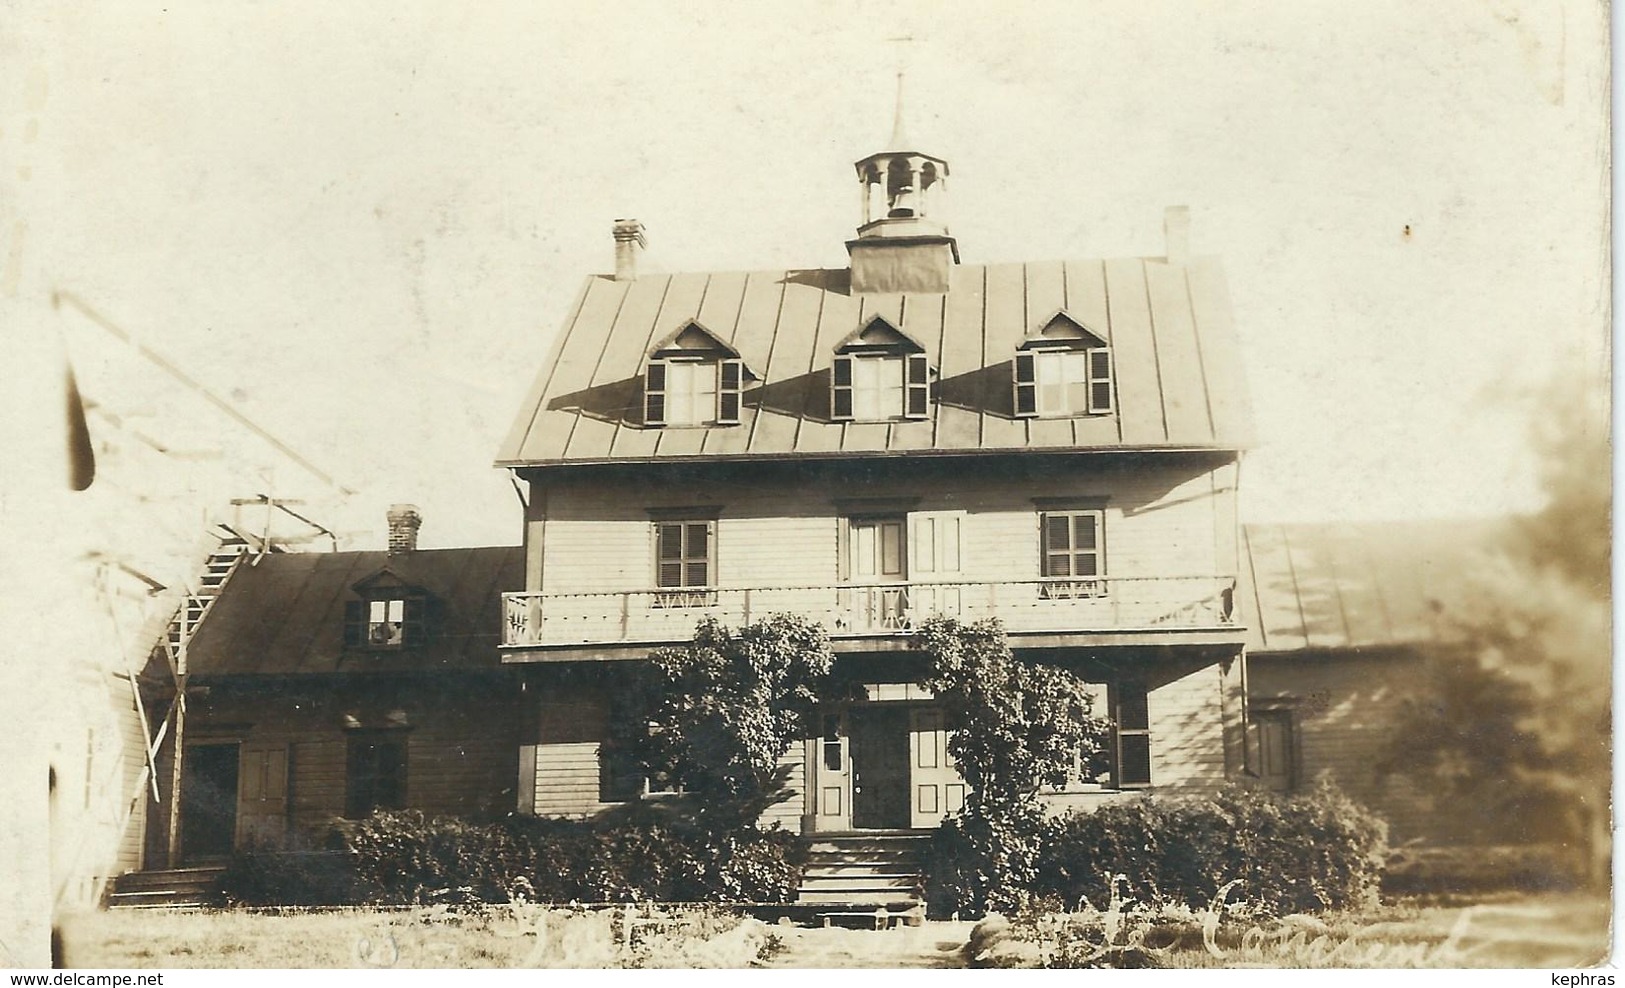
[(902, 245)]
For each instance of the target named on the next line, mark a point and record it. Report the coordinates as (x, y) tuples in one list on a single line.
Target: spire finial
[(898, 141)]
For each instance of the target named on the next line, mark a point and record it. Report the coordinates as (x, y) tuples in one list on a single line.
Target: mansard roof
[(1177, 362)]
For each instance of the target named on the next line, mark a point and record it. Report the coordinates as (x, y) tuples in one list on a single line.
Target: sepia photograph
[(895, 486)]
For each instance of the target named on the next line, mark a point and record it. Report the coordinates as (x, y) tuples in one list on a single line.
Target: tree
[(717, 715), (1019, 727), (1515, 730)]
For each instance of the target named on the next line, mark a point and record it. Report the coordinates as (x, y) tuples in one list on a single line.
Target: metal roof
[(1178, 368), (1320, 586), (284, 615)]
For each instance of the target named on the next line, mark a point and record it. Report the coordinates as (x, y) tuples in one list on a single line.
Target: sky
[(360, 225)]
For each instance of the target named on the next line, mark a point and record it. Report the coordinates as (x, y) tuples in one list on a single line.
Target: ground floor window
[(1124, 761), (375, 773), (1273, 745)]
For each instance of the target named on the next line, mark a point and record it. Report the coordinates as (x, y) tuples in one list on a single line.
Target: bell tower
[(901, 245)]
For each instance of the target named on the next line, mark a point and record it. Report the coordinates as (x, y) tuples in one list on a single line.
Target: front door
[(879, 747), (208, 802)]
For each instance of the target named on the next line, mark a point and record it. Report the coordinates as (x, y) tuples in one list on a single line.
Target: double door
[(884, 766)]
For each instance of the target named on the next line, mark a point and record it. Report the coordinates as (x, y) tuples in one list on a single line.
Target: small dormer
[(1063, 369), (902, 244), (693, 378), (879, 374), (386, 612)]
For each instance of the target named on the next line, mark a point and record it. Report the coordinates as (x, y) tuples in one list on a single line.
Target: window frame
[(1096, 378), (720, 404), (1117, 695), (375, 739), (1071, 585), (912, 391), (684, 593), (359, 624)]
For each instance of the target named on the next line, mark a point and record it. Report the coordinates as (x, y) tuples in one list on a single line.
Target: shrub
[(1018, 726), (1286, 854), (406, 858)]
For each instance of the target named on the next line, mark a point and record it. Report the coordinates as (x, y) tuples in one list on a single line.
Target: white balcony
[(875, 611)]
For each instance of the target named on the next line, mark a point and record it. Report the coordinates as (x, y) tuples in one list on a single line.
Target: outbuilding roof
[(1318, 586), (1177, 364), (285, 614)]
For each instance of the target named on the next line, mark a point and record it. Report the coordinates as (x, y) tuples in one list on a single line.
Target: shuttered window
[(1124, 759), (684, 552), (693, 392), (384, 622), (1063, 382), (1072, 543), (840, 389)]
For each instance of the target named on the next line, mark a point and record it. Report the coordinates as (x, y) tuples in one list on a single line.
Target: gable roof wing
[(285, 616)]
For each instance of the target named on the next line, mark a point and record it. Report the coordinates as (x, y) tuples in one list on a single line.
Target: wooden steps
[(170, 888), (865, 879)]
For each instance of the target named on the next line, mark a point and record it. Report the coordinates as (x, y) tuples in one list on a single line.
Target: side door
[(936, 788), (936, 558), (262, 809)]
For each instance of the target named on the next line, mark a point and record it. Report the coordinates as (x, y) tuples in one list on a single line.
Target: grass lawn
[(1549, 931), (1540, 931), (494, 937)]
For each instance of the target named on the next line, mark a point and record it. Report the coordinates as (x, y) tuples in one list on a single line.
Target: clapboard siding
[(461, 735), (574, 721), (1345, 706), (784, 529), (1188, 716)]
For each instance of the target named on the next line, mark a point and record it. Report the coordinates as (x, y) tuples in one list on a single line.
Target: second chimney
[(403, 528), (1176, 225), (628, 241)]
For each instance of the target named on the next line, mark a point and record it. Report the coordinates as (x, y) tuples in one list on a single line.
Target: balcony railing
[(857, 610)]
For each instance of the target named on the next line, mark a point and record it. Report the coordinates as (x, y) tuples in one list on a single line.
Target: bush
[(1288, 854), (406, 858)]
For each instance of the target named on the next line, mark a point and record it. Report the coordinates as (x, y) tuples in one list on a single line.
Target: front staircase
[(169, 888), (868, 879)]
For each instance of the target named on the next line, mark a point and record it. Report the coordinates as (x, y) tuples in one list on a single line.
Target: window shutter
[(669, 554), (731, 382), (1100, 381), (840, 392), (414, 621), (918, 401), (1026, 384), (654, 393), (355, 623)]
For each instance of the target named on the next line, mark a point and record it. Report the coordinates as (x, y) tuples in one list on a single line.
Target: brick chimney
[(1176, 225), (628, 242), (403, 528)]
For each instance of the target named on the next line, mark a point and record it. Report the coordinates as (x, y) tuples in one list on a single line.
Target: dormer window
[(1063, 369), (880, 374), (693, 378), (387, 614)]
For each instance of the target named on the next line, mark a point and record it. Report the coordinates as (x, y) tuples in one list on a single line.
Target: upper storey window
[(880, 374), (385, 613), (693, 378), (1063, 369)]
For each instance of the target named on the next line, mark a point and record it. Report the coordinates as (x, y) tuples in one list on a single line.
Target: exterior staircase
[(217, 568), (869, 879), (168, 889)]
